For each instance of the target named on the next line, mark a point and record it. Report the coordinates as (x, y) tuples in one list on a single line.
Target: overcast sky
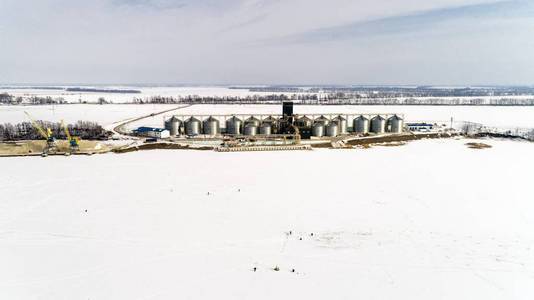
[(439, 42)]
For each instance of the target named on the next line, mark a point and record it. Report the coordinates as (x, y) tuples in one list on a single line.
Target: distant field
[(108, 114), (488, 115), (75, 97)]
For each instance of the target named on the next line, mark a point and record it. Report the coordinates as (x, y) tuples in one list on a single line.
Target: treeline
[(193, 99), (6, 98), (396, 92), (26, 131), (333, 99), (94, 90)]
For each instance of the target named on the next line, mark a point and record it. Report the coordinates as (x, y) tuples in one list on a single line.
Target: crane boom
[(46, 135), (66, 131)]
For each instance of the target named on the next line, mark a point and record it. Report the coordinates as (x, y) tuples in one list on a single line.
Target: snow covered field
[(170, 91), (429, 220), (488, 115), (75, 97), (108, 114)]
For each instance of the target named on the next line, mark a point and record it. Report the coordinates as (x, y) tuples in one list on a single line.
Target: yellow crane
[(50, 140), (74, 142)]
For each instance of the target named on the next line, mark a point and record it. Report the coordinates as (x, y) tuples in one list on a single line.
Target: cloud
[(409, 23), (203, 41)]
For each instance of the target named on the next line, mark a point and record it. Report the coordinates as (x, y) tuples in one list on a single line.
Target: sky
[(305, 42)]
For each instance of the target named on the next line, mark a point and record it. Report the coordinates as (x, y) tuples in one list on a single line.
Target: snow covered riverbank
[(431, 219)]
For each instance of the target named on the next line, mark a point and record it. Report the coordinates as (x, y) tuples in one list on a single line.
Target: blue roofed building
[(420, 126), (152, 132)]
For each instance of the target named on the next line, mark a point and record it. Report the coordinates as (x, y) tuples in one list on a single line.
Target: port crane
[(47, 134), (74, 142)]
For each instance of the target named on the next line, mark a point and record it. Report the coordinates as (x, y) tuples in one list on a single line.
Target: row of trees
[(6, 98), (26, 131), (396, 92), (313, 99)]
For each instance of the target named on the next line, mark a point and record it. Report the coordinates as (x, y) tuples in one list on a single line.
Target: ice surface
[(428, 220)]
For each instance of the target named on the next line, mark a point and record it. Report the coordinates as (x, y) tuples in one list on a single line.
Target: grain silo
[(251, 129), (318, 129), (173, 126), (396, 124), (233, 125), (192, 126), (360, 125), (378, 124), (332, 129), (211, 126), (341, 124)]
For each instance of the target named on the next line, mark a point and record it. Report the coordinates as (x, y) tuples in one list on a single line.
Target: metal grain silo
[(173, 126), (304, 122), (270, 119), (192, 126), (251, 129), (378, 124), (318, 129), (252, 120), (233, 125), (265, 128), (360, 125), (211, 126), (323, 120), (341, 124), (332, 129), (396, 124)]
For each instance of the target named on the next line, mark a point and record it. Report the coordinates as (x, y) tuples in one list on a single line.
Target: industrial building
[(307, 126), (419, 126), (285, 129), (152, 132)]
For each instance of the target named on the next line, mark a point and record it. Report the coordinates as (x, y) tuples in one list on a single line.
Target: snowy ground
[(110, 114), (146, 92), (102, 114), (149, 91), (487, 115), (429, 220)]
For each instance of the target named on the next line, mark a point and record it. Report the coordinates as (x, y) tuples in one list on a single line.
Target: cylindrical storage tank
[(265, 128), (304, 122), (173, 126), (211, 126), (192, 126), (378, 124), (251, 129), (269, 119), (323, 120), (318, 129), (332, 129), (341, 124), (233, 125), (252, 120), (360, 125), (396, 124)]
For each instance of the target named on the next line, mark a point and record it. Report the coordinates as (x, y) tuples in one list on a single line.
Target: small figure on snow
[(276, 268), (254, 269)]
